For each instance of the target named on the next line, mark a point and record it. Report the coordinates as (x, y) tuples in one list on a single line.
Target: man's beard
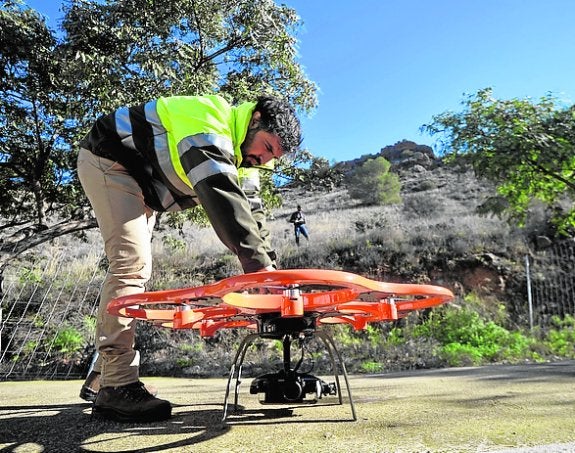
[(246, 145)]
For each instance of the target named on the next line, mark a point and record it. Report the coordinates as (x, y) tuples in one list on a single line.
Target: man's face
[(260, 147)]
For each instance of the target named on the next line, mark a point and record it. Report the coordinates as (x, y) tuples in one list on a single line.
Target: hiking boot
[(130, 403), (91, 386)]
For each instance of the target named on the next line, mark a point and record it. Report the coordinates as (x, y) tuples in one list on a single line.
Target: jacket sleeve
[(239, 224), (249, 179)]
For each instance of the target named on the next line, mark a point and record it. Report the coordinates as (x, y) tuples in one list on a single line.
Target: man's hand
[(266, 269)]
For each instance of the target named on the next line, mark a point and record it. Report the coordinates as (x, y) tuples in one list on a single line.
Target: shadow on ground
[(71, 428)]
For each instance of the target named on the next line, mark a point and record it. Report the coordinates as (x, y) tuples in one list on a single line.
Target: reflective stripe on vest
[(169, 157), (124, 129), (249, 179), (209, 167)]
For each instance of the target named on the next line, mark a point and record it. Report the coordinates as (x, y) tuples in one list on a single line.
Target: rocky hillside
[(439, 235)]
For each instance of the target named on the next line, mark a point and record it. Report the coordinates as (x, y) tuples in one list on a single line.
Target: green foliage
[(29, 275), (33, 120), (447, 335), (190, 351), (122, 48), (312, 173), (457, 354), (277, 346), (560, 339), (346, 337), (196, 216), (174, 244), (395, 337), (526, 148), (372, 366), (184, 362), (468, 339), (68, 340), (374, 184), (90, 323), (30, 347), (268, 192), (373, 334)]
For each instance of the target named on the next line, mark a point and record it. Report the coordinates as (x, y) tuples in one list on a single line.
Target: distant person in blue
[(298, 220)]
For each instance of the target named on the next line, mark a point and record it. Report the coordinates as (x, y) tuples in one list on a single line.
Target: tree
[(309, 172), (113, 53), (37, 126), (526, 148), (374, 184), (128, 51)]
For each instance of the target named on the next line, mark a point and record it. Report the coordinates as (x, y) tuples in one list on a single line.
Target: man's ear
[(255, 120)]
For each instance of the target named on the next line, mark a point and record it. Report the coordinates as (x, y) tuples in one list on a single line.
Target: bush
[(372, 367), (374, 184), (423, 205), (68, 340), (560, 340), (466, 338)]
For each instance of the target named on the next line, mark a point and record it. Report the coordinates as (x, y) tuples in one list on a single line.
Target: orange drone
[(282, 305)]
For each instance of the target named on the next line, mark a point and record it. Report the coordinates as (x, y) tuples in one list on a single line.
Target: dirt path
[(527, 408)]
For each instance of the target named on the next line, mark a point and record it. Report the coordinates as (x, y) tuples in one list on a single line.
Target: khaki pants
[(126, 225)]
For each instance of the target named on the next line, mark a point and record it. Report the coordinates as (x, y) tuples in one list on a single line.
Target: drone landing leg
[(335, 357), (237, 363), (287, 353), (332, 349)]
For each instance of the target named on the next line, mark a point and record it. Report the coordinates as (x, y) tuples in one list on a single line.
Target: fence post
[(529, 295)]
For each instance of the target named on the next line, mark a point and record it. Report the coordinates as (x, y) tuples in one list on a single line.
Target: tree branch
[(13, 246)]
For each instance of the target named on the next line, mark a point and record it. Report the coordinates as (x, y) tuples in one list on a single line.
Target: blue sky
[(385, 67)]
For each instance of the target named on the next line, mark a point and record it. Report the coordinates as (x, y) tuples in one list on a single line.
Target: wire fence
[(551, 283), (47, 314)]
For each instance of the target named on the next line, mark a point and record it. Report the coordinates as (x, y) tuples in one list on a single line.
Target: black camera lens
[(293, 391)]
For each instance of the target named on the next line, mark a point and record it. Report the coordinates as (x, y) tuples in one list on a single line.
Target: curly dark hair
[(279, 117)]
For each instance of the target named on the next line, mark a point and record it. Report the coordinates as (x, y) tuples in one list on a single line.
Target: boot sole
[(106, 413)]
